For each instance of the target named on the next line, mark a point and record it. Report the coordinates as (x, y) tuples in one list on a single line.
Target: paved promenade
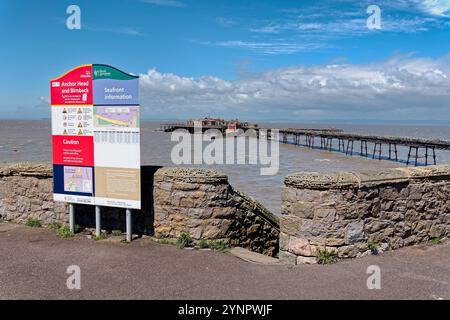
[(33, 265)]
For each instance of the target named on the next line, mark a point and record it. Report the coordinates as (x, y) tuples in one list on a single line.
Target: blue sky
[(296, 60)]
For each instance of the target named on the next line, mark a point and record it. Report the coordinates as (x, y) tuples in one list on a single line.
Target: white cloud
[(400, 88), (166, 3), (118, 30), (347, 19), (226, 22), (439, 8)]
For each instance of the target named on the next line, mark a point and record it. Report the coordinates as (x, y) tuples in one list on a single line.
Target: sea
[(30, 140)]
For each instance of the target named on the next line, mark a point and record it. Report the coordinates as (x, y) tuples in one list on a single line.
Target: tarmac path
[(33, 264)]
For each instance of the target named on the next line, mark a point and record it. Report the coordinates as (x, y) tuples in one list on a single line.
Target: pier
[(346, 143), (336, 140)]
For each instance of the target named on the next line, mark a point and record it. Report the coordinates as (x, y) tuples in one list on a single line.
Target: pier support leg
[(98, 221), (72, 217), (409, 156), (349, 149), (128, 219), (426, 156), (390, 151), (377, 144), (395, 150), (434, 156), (417, 151)]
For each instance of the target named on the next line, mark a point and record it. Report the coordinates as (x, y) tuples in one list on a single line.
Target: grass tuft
[(116, 233), (64, 232), (214, 245), (326, 256), (34, 223), (102, 236), (373, 247), (54, 226), (165, 241), (184, 240), (437, 240)]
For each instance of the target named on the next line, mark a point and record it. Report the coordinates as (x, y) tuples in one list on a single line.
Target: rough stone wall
[(202, 204), (351, 213), (26, 191)]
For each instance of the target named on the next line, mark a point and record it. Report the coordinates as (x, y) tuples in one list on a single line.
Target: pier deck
[(345, 141)]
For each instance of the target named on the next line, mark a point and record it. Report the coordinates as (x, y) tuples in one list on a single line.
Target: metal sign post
[(98, 221), (128, 213), (72, 217)]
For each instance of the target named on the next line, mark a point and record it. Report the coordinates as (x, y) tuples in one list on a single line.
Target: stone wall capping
[(322, 180), (190, 175), (43, 170), (347, 180)]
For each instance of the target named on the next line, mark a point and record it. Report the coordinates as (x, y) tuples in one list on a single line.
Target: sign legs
[(98, 221), (72, 217), (128, 213)]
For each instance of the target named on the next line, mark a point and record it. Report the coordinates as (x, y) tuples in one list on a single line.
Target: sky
[(253, 59)]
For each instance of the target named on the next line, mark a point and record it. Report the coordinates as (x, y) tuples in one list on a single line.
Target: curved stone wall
[(355, 213), (201, 203)]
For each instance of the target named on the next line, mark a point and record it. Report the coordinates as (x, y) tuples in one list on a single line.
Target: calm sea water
[(30, 141)]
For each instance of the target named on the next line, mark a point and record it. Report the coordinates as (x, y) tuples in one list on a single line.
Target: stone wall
[(202, 204), (358, 213), (199, 202), (26, 191)]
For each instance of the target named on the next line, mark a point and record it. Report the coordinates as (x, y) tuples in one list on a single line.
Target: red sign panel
[(73, 150), (73, 88)]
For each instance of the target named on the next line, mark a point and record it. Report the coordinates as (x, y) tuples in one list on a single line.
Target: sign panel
[(96, 137), (113, 87), (72, 88)]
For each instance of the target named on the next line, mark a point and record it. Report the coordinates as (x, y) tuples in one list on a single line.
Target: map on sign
[(123, 117), (78, 179)]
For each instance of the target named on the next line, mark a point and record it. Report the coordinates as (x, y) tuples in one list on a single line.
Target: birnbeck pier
[(336, 140), (346, 143)]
